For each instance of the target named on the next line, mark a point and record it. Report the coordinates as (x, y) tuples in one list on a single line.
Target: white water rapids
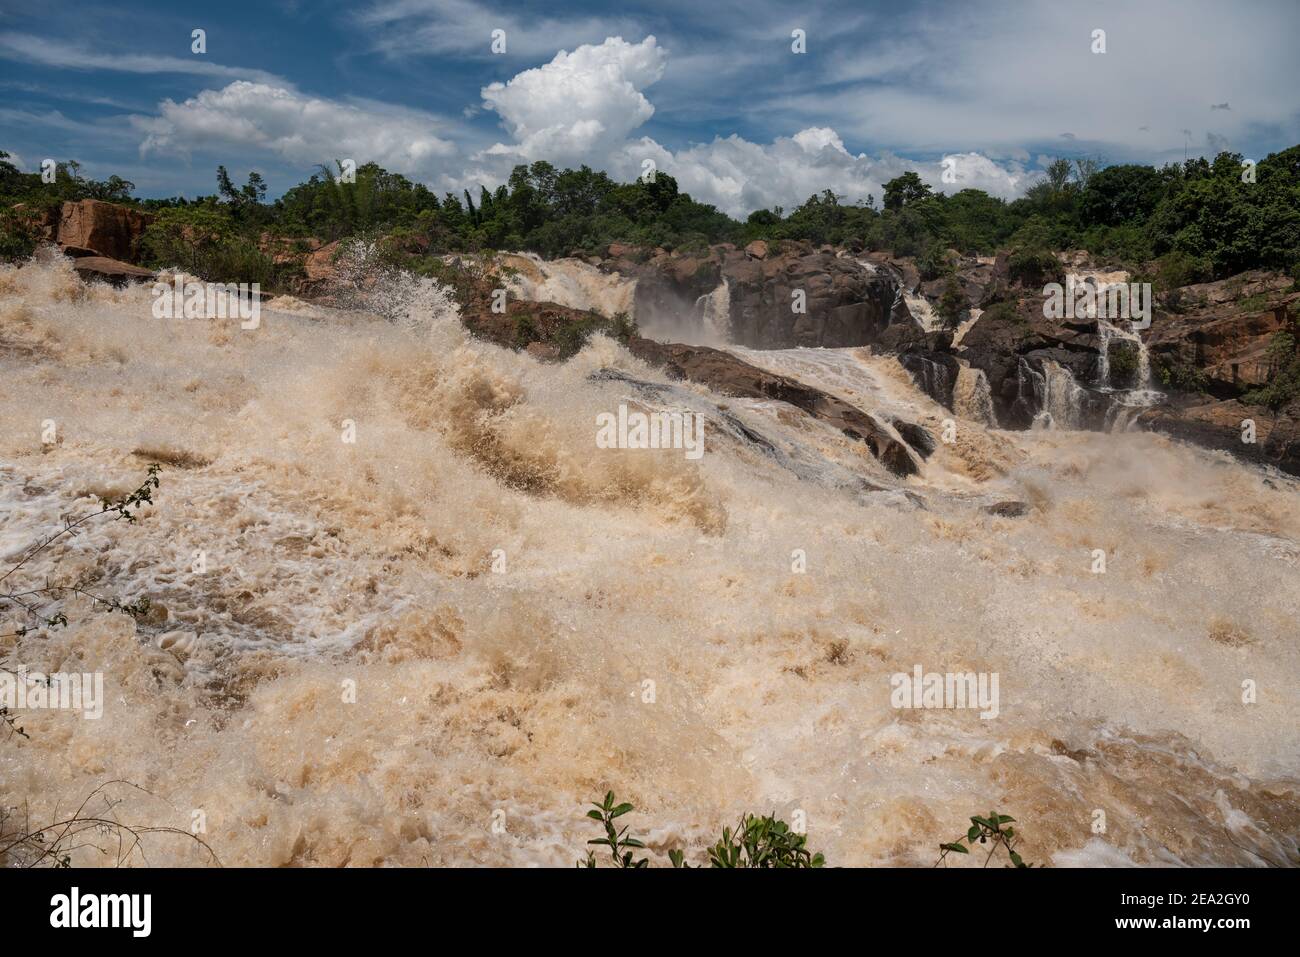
[(528, 621)]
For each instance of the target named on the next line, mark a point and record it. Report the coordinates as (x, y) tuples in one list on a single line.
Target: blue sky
[(710, 92)]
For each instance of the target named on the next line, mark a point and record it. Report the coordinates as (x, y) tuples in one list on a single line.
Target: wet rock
[(842, 303), (1221, 424), (111, 270)]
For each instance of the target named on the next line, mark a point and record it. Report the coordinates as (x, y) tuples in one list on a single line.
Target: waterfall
[(921, 310), (1054, 392), (971, 396), (1108, 332), (715, 311), (933, 378), (569, 282)]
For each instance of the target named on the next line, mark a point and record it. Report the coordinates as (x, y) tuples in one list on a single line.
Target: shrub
[(1035, 266), (19, 236), (1284, 364), (1181, 377), (1180, 269), (935, 262), (204, 241), (952, 304), (757, 842)]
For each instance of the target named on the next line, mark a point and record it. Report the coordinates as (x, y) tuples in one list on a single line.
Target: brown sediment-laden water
[(431, 618)]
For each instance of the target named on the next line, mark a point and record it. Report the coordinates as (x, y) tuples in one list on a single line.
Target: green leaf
[(620, 810), (955, 848)]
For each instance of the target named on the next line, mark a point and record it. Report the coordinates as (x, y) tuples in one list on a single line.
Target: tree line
[(1202, 219)]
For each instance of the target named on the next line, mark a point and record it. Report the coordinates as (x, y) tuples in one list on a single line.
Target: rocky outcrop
[(93, 227), (550, 331), (319, 264), (1222, 330), (1012, 341), (843, 304), (779, 296), (111, 270), (1223, 425), (727, 375)]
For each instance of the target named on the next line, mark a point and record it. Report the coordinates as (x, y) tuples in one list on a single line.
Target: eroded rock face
[(845, 305), (1222, 425), (1010, 342), (1223, 330), (104, 229), (319, 264), (780, 296)]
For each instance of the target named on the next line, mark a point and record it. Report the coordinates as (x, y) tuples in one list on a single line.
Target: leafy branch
[(30, 601), (619, 844), (986, 830)]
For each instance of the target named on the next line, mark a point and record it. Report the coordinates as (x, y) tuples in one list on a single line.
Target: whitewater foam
[(496, 592)]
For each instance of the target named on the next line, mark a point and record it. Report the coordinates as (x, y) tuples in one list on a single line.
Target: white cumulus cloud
[(296, 127), (583, 107), (580, 103), (580, 107)]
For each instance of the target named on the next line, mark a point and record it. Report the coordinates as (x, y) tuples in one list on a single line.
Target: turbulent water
[(528, 621), (569, 282)]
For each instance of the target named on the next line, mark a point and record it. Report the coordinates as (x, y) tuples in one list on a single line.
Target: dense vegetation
[(1202, 219)]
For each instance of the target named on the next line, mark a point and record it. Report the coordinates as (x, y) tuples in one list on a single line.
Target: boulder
[(625, 251), (107, 229), (1012, 342), (757, 249)]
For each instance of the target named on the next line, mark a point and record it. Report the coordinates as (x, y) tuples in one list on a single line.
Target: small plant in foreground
[(619, 844), (986, 830), (756, 842), (763, 842)]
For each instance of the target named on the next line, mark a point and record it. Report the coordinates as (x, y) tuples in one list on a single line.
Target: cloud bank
[(581, 107)]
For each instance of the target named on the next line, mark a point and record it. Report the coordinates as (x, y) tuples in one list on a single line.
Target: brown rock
[(111, 270), (1223, 329), (757, 249), (624, 251), (1220, 424), (319, 265), (1007, 509), (108, 229)]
